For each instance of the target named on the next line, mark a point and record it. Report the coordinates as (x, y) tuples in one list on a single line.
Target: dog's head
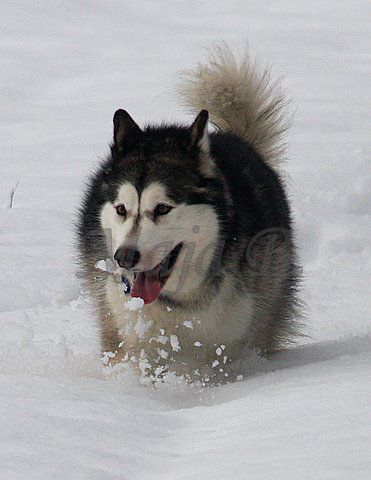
[(164, 208)]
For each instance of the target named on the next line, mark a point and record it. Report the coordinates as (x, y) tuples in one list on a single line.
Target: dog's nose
[(127, 257)]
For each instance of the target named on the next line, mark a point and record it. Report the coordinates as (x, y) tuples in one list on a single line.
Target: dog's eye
[(162, 209), (121, 210)]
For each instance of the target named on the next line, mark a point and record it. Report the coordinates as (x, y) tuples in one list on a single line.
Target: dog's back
[(247, 109)]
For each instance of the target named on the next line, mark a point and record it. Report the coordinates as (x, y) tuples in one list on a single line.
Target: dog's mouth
[(148, 285)]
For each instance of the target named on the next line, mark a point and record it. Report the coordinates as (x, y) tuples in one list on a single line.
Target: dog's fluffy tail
[(240, 98)]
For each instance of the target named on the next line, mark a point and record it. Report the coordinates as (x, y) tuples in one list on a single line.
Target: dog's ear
[(199, 134), (200, 143), (125, 130)]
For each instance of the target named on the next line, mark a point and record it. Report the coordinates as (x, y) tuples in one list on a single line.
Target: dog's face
[(163, 213)]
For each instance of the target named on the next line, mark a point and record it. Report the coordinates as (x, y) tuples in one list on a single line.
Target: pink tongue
[(146, 286)]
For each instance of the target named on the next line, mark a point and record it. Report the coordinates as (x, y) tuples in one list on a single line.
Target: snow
[(141, 325), (134, 304), (106, 265), (305, 414), (174, 342), (188, 324)]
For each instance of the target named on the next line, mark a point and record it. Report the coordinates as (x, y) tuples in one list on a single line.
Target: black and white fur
[(234, 281)]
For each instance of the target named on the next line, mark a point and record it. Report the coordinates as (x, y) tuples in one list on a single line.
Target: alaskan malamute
[(185, 234)]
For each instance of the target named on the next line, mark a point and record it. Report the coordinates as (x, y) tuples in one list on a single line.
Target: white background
[(65, 68)]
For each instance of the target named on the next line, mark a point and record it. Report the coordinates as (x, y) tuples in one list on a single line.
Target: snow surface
[(65, 68)]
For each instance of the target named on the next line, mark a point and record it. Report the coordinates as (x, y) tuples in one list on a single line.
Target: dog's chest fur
[(162, 333)]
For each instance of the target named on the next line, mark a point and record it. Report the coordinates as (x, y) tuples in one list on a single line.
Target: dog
[(184, 234)]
